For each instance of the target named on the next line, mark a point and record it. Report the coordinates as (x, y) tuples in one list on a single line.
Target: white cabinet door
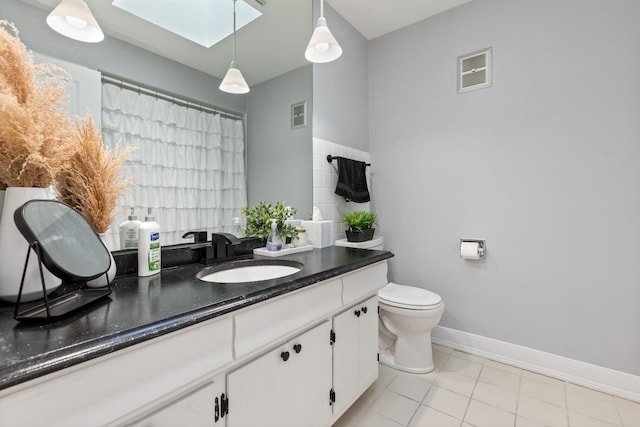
[(256, 391), (197, 409), (345, 359), (288, 386), (367, 343), (309, 376), (355, 352)]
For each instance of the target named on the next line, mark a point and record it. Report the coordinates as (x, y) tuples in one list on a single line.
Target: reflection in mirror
[(188, 161), (278, 158)]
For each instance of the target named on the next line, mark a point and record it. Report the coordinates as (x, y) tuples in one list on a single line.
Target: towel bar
[(330, 159)]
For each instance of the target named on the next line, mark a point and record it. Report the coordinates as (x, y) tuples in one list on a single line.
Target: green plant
[(259, 220), (359, 220)]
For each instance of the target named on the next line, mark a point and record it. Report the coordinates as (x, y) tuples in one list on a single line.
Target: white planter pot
[(101, 281), (13, 251)]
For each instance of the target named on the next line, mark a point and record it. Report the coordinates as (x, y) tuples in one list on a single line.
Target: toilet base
[(387, 359)]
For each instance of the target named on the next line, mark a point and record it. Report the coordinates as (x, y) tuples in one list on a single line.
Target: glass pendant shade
[(233, 81), (323, 47), (73, 19)]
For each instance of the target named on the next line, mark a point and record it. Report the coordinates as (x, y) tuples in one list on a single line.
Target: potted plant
[(36, 139), (90, 182), (359, 225), (259, 220)]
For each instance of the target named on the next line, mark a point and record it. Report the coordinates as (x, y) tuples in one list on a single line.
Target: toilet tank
[(376, 243)]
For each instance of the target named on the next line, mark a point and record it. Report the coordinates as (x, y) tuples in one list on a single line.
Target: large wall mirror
[(270, 53)]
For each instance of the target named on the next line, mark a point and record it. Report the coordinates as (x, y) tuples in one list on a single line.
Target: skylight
[(205, 22)]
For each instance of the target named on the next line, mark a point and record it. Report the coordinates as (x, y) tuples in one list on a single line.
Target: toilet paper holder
[(482, 246)]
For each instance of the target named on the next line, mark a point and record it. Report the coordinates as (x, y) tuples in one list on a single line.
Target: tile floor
[(469, 391)]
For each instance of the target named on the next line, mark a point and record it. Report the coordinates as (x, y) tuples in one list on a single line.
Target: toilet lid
[(408, 296)]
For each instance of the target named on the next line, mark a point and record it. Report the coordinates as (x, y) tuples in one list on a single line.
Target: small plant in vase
[(36, 139), (259, 220), (91, 183), (359, 226)]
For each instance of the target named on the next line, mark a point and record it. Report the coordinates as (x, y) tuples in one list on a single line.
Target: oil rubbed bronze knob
[(297, 348), (364, 310), (285, 355), (357, 313)]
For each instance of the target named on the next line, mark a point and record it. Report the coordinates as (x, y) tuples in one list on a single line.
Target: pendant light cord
[(234, 31), (321, 8)]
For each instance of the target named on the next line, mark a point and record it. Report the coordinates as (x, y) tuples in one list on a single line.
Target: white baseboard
[(606, 380)]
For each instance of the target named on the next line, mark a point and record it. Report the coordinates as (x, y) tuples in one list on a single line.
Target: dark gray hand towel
[(352, 181)]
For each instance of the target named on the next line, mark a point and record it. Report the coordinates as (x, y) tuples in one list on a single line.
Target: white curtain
[(188, 165)]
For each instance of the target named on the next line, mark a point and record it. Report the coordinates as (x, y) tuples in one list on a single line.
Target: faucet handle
[(198, 236), (228, 237)]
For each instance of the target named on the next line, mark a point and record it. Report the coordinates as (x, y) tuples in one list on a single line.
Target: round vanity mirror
[(69, 247)]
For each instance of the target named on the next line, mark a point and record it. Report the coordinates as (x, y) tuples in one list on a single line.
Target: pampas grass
[(90, 181), (35, 132)]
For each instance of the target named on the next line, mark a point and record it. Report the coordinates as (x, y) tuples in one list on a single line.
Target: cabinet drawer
[(262, 324), (363, 282)]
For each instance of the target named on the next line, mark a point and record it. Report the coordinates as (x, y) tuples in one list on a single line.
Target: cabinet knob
[(297, 348), (285, 355), (364, 310), (357, 313)]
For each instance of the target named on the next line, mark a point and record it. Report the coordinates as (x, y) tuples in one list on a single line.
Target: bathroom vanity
[(173, 350)]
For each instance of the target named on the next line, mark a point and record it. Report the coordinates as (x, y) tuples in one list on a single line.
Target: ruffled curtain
[(189, 165)]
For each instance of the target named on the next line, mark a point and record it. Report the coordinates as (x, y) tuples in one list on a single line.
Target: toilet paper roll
[(470, 250)]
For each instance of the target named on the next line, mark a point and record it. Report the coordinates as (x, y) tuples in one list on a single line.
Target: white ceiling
[(271, 45), (374, 18)]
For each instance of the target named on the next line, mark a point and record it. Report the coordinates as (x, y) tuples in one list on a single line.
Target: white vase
[(2, 192), (13, 251), (101, 281)]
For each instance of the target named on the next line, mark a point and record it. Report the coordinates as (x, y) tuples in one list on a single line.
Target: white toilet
[(407, 316)]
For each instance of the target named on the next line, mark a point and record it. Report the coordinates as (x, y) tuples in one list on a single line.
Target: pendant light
[(233, 81), (323, 47), (73, 19)]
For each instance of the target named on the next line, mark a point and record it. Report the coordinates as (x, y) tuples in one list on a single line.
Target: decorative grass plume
[(90, 181), (35, 132)]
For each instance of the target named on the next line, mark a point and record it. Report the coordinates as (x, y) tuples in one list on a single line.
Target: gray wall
[(545, 165), (279, 157), (341, 88), (117, 57)]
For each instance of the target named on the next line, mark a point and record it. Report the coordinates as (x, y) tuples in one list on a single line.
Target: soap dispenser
[(274, 242), (129, 231), (149, 246)]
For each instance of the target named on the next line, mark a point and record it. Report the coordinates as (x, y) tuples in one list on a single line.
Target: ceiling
[(271, 45), (374, 18)]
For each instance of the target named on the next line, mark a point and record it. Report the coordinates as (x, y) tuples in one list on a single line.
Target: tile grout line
[(475, 384), (518, 396), (566, 402)]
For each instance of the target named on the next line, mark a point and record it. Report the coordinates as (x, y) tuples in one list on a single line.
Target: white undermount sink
[(249, 271)]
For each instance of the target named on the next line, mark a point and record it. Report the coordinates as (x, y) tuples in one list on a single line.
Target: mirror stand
[(57, 307)]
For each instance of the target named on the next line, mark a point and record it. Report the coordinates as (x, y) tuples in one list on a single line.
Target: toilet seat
[(409, 297)]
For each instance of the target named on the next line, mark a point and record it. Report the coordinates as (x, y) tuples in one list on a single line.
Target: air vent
[(299, 115), (474, 71)]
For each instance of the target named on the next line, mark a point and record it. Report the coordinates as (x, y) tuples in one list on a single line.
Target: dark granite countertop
[(143, 308)]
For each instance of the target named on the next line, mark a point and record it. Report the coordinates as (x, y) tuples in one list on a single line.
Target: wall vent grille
[(474, 71), (299, 115)]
